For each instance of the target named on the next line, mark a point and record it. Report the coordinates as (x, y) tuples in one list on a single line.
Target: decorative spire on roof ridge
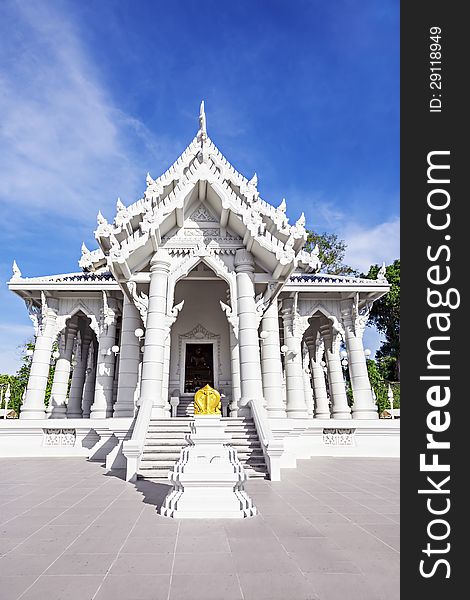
[(119, 205), (301, 221), (282, 206), (202, 133), (381, 274), (16, 271), (101, 220), (84, 249), (254, 180)]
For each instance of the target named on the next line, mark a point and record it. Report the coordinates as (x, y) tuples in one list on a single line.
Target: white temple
[(200, 281)]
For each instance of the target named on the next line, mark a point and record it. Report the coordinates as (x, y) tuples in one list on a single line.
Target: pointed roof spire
[(16, 271), (84, 249), (254, 180), (282, 206), (202, 133), (381, 274), (119, 205), (101, 220)]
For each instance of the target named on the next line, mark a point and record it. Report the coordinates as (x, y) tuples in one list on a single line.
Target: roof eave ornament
[(16, 271), (202, 133), (381, 274)]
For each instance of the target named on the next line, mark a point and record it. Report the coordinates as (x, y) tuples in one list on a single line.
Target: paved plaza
[(69, 530)]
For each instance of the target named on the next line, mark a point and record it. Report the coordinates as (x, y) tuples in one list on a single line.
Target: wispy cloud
[(67, 147), (374, 245)]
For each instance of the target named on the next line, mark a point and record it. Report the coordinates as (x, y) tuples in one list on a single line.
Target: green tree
[(385, 315), (331, 252), (19, 381)]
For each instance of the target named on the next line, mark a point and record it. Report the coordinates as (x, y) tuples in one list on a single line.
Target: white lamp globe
[(115, 349), (284, 349), (56, 354), (367, 353), (263, 335), (139, 332)]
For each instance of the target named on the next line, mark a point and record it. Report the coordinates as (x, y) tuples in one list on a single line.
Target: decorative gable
[(202, 215)]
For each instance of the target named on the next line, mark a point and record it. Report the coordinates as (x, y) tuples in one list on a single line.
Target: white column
[(166, 375), (63, 365), (308, 391), (271, 368), (332, 338), (235, 365), (250, 364), (296, 407), (103, 399), (316, 347), (90, 378), (363, 406), (129, 356), (155, 335), (33, 405), (74, 406)]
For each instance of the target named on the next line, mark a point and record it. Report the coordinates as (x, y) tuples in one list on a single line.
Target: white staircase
[(166, 437)]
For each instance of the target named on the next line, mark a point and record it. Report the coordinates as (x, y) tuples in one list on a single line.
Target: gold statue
[(207, 401)]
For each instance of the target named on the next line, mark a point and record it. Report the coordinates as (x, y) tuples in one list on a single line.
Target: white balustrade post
[(296, 407), (89, 387), (316, 347), (33, 405), (60, 385), (339, 401), (354, 324), (103, 400), (308, 391), (74, 406), (155, 335), (235, 364), (166, 375), (250, 364), (271, 368), (129, 357)]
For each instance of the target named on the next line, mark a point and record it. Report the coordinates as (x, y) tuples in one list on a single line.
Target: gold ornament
[(207, 401)]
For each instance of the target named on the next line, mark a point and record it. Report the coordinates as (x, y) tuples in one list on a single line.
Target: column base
[(274, 413), (98, 413), (32, 413), (322, 415), (58, 412), (341, 415), (365, 413), (77, 415), (297, 413), (122, 412)]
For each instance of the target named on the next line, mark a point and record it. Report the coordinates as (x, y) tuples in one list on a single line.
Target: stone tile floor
[(70, 530)]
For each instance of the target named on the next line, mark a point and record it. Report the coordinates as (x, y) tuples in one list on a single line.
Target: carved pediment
[(201, 214)]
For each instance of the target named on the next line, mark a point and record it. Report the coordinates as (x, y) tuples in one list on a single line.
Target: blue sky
[(94, 94)]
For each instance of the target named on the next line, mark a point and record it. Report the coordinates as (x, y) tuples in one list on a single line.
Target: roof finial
[(119, 205), (202, 133), (381, 274), (16, 271), (101, 220), (84, 249)]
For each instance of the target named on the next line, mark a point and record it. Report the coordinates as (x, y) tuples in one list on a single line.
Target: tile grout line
[(51, 521), (47, 500), (118, 552), (72, 542), (174, 560)]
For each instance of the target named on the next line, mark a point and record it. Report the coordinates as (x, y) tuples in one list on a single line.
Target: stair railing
[(134, 448), (272, 448)]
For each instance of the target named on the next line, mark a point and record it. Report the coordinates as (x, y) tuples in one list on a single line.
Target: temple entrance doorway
[(199, 366)]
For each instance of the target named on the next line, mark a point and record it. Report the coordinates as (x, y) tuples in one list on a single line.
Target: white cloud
[(374, 245), (66, 146)]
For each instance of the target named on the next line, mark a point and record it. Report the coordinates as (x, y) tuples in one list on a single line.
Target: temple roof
[(201, 176)]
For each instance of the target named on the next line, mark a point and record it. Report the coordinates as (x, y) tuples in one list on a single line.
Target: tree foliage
[(19, 381), (331, 252), (380, 387), (385, 315)]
